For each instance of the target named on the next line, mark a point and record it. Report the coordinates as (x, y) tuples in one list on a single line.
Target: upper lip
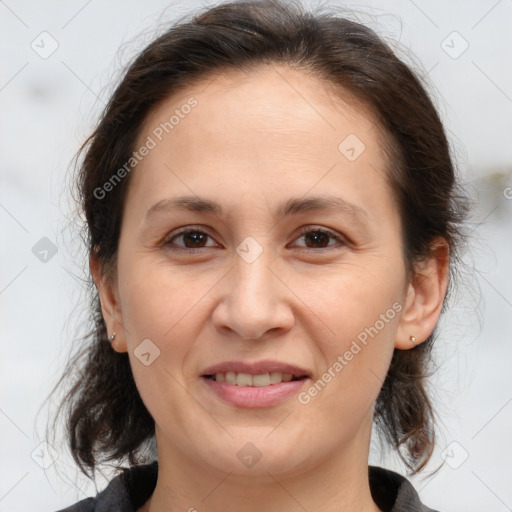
[(255, 368)]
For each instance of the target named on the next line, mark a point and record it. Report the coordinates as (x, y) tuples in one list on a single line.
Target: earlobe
[(424, 298), (110, 308)]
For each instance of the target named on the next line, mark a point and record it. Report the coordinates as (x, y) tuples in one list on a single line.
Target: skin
[(253, 141)]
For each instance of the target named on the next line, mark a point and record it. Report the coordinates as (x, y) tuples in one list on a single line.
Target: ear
[(109, 298), (424, 297)]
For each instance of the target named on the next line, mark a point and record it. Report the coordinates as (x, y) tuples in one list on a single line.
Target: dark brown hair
[(105, 417)]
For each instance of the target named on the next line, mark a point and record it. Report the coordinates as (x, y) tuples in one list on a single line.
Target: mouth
[(256, 374), (258, 380), (254, 385)]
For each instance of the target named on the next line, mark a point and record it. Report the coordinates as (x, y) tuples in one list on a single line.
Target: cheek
[(161, 304), (356, 297), (361, 305), (168, 305), (155, 297)]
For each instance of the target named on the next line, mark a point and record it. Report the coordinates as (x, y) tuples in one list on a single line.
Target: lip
[(253, 397), (255, 368)]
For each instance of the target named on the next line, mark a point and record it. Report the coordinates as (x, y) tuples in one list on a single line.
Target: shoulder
[(87, 505), (127, 492), (392, 492)]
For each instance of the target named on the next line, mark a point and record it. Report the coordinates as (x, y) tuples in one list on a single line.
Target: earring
[(111, 339), (412, 339)]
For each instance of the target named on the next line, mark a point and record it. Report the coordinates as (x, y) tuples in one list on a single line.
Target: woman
[(273, 219)]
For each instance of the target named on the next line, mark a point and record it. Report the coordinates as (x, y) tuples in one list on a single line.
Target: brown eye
[(318, 238), (191, 239)]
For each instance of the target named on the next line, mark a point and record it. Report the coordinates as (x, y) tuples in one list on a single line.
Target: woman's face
[(248, 286)]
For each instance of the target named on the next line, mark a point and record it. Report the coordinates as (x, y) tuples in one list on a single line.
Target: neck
[(339, 483)]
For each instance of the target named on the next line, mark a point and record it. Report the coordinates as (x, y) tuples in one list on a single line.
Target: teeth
[(261, 380), (245, 379), (230, 378), (276, 378)]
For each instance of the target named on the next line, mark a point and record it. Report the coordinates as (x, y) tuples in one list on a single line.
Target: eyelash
[(304, 231)]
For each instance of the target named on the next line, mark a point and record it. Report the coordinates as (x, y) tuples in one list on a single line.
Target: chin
[(260, 457)]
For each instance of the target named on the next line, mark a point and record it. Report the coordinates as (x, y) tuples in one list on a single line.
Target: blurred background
[(59, 61)]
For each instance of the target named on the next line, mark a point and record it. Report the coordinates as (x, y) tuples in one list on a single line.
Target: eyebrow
[(293, 206)]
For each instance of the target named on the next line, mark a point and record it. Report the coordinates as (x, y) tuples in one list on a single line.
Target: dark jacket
[(128, 491)]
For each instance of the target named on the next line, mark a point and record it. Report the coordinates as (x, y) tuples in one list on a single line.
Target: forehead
[(272, 100), (273, 126)]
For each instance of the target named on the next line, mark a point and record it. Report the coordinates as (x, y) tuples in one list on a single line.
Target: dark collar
[(128, 491)]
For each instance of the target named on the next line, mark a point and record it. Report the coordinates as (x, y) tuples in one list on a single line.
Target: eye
[(192, 238), (318, 237), (196, 239)]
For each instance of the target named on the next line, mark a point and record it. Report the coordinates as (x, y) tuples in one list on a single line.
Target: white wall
[(48, 107)]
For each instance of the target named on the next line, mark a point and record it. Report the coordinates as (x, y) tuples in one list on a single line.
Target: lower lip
[(253, 396)]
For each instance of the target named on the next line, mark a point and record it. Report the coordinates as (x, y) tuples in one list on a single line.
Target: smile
[(246, 379)]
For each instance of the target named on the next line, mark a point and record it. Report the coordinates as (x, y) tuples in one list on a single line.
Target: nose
[(255, 301)]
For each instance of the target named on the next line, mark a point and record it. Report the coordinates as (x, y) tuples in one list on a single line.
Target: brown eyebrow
[(293, 206)]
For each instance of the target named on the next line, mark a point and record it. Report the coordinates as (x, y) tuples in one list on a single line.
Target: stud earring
[(111, 339), (412, 339)]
